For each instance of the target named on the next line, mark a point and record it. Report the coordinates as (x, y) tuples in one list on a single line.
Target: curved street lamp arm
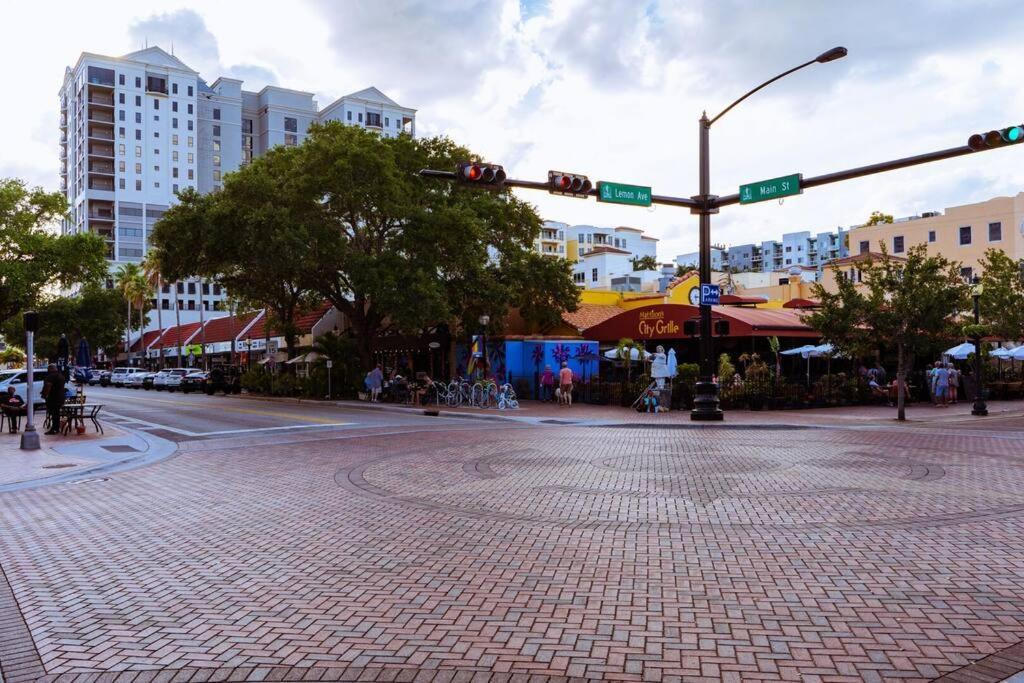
[(766, 83)]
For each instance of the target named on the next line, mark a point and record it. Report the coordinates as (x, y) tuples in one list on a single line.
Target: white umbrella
[(1017, 353), (806, 348), (633, 354), (820, 351), (1001, 353), (960, 351), (673, 364)]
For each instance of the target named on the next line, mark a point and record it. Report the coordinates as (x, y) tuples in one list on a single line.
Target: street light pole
[(705, 402), (979, 401)]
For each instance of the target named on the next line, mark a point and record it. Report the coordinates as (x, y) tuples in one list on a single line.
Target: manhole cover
[(58, 466), (121, 449)]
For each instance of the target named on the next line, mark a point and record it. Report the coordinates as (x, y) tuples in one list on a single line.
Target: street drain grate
[(121, 449), (59, 466)]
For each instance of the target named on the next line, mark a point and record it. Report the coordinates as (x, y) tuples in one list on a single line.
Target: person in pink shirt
[(547, 384), (565, 383)]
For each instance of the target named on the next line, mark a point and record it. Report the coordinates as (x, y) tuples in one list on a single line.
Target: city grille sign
[(763, 190), (617, 193)]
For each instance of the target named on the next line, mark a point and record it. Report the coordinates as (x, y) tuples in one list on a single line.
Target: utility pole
[(705, 399)]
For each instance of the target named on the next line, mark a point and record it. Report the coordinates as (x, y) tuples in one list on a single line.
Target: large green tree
[(908, 303), (346, 217), (1002, 301), (34, 259)]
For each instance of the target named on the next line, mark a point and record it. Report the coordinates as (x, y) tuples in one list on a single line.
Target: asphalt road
[(182, 417)]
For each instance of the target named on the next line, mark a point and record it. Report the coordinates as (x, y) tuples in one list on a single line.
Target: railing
[(95, 184), (101, 134), (101, 101), (101, 152), (102, 168), (101, 216), (101, 116)]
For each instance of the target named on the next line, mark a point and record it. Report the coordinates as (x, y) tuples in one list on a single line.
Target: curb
[(149, 449)]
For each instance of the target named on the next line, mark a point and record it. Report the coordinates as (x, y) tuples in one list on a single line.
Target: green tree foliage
[(33, 259), (94, 313), (1002, 301), (645, 263), (132, 283), (685, 269), (346, 217), (877, 217), (910, 303)]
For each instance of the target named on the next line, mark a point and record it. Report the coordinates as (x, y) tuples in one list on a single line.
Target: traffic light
[(996, 138), (568, 184), (481, 174)]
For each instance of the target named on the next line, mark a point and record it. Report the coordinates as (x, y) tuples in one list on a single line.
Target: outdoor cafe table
[(75, 414)]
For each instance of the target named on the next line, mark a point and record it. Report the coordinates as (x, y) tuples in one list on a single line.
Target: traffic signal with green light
[(480, 174), (996, 138)]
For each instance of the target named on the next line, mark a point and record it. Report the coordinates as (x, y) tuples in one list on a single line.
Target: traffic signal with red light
[(481, 174), (996, 138), (569, 184)]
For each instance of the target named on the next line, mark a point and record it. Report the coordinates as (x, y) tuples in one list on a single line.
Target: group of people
[(548, 392), (13, 406), (943, 383)]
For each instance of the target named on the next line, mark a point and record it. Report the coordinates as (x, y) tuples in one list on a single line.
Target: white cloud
[(606, 88)]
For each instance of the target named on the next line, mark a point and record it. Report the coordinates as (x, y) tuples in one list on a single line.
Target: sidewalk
[(75, 457), (550, 413)]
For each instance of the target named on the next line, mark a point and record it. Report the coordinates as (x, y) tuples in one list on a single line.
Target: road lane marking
[(250, 411), (186, 432)]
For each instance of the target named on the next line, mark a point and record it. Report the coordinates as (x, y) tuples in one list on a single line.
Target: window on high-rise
[(865, 246), (216, 145), (965, 235), (373, 119), (387, 122), (138, 117), (174, 155), (120, 79), (174, 106), (931, 235), (190, 91), (897, 244), (138, 186), (174, 172), (120, 166), (120, 132), (216, 114), (216, 160), (348, 115), (174, 123), (120, 150), (290, 139), (191, 158), (120, 115), (291, 124), (174, 138), (191, 288), (216, 174), (120, 183), (156, 103), (138, 134), (190, 124), (190, 109), (191, 174), (138, 81), (174, 88), (138, 100), (216, 131), (138, 151), (120, 98), (191, 141), (995, 232), (138, 167)]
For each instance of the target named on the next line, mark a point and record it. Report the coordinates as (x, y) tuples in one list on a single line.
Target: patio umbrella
[(1017, 353), (633, 354), (804, 351), (960, 351), (1002, 354), (83, 358)]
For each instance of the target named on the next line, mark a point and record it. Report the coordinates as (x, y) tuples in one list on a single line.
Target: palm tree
[(151, 269), (124, 280), (202, 326), (624, 351), (138, 293), (177, 330)]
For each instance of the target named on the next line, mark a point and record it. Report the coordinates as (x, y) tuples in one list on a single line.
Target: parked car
[(194, 381), (101, 377), (135, 380), (147, 380), (173, 378), (224, 378), (119, 377), (18, 380), (159, 378)]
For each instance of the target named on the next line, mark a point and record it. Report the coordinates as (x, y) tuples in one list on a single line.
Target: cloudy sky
[(608, 88)]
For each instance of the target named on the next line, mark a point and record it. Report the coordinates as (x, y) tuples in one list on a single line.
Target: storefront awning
[(665, 321)]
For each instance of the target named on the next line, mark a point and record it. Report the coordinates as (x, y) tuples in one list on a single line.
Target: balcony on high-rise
[(100, 76), (101, 210), (101, 149), (101, 132), (101, 167), (101, 99), (100, 114), (101, 183), (156, 84)]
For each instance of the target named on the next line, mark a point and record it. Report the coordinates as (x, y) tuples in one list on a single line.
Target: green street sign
[(617, 193), (763, 190)]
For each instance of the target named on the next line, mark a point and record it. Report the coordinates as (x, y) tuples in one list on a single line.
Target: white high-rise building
[(137, 129)]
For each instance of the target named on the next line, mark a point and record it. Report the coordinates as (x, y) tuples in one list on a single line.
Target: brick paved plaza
[(453, 550)]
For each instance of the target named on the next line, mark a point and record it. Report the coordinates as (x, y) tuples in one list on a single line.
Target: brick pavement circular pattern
[(628, 479)]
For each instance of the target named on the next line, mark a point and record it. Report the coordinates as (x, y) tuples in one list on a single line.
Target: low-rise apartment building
[(962, 233)]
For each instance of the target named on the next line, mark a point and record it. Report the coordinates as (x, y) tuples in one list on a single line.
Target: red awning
[(665, 321)]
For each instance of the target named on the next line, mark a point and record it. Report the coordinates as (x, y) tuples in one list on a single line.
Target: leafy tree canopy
[(645, 263), (877, 217), (346, 217), (911, 304), (1002, 300), (33, 259), (94, 313)]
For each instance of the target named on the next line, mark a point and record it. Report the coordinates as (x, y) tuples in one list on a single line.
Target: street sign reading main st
[(617, 193), (763, 190)]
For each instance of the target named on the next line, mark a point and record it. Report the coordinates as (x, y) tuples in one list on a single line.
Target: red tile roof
[(176, 336), (588, 315), (227, 328), (144, 342), (304, 323)]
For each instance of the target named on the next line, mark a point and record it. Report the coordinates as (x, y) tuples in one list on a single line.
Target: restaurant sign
[(653, 324)]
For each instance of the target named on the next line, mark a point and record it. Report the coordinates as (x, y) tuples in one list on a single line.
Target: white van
[(119, 377), (17, 379)]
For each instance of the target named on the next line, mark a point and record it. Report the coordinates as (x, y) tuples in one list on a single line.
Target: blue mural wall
[(515, 360)]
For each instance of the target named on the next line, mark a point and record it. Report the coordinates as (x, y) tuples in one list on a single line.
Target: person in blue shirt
[(941, 380)]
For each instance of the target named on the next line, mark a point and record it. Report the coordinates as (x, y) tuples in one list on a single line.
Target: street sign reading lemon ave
[(764, 190), (617, 193)]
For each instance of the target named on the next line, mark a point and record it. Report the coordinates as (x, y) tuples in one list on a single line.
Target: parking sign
[(709, 294)]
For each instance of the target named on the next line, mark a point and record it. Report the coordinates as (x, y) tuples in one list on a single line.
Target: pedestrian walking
[(547, 384), (565, 384), (374, 380), (941, 384), (954, 382), (53, 394)]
